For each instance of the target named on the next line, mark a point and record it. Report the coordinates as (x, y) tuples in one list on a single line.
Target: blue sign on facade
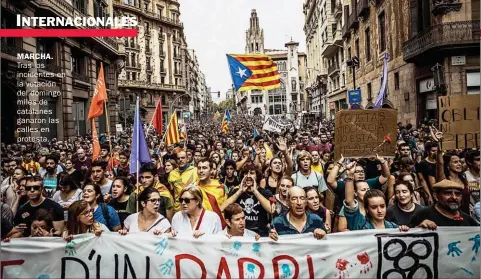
[(354, 96)]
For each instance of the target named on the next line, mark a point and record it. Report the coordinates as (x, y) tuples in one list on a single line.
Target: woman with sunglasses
[(67, 192), (194, 220), (81, 220), (148, 219)]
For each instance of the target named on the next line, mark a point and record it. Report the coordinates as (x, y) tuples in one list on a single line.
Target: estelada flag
[(213, 196), (96, 144), (157, 120), (100, 95), (173, 131), (253, 71)]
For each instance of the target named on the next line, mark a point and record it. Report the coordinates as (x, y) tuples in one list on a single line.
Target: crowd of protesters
[(242, 183)]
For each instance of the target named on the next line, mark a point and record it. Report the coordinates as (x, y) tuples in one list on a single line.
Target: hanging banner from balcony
[(445, 253), (363, 133), (459, 121)]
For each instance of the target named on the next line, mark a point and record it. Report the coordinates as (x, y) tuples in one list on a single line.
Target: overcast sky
[(216, 27)]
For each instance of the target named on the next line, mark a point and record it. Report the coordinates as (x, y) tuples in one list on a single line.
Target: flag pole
[(137, 159)]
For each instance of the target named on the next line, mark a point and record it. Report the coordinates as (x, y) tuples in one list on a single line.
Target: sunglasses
[(154, 200), (32, 188), (186, 200)]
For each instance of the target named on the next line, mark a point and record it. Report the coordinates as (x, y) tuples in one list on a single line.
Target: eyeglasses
[(32, 188), (154, 200), (186, 200), (87, 213)]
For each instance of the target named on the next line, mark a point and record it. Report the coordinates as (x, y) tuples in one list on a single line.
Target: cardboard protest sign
[(459, 121), (448, 252), (360, 133)]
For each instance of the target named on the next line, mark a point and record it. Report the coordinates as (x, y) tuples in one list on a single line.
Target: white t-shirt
[(132, 223), (314, 179), (247, 233), (106, 187), (76, 197), (210, 224)]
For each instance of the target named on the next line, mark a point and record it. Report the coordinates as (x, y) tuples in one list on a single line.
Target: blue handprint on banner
[(70, 248), (475, 248), (286, 271), (166, 268), (43, 276), (256, 248), (453, 249), (160, 246), (234, 250), (251, 269)]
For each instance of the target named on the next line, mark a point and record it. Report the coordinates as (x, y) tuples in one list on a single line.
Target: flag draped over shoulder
[(213, 196), (225, 122), (96, 144), (100, 95), (140, 150), (253, 71), (157, 120), (173, 131)]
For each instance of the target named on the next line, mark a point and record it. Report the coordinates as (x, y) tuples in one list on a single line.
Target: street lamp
[(353, 63), (439, 83)]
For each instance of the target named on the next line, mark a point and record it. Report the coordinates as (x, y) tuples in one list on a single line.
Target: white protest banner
[(446, 253), (272, 125)]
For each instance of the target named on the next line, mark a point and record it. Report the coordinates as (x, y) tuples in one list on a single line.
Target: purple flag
[(382, 91), (140, 151)]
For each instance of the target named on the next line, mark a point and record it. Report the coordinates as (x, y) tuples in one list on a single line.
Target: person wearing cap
[(446, 211)]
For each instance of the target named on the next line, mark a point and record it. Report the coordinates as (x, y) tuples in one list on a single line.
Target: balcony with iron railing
[(132, 45), (80, 77), (149, 68), (455, 37), (353, 19), (362, 8), (337, 12), (148, 50), (163, 70), (132, 8), (334, 68), (162, 54), (144, 85)]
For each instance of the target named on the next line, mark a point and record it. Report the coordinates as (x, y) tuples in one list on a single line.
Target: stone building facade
[(416, 35), (154, 65), (76, 61)]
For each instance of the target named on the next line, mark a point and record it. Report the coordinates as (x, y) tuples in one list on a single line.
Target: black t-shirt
[(121, 208), (430, 213), (232, 184), (400, 217), (373, 169), (26, 213), (257, 218), (426, 169)]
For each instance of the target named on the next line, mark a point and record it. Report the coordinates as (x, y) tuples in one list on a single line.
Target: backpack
[(105, 212)]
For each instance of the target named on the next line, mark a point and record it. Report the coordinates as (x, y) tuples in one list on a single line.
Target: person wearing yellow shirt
[(316, 162), (181, 177), (29, 164), (214, 193)]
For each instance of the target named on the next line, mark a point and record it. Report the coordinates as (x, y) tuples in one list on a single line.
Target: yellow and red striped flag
[(225, 122), (253, 71), (173, 131)]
